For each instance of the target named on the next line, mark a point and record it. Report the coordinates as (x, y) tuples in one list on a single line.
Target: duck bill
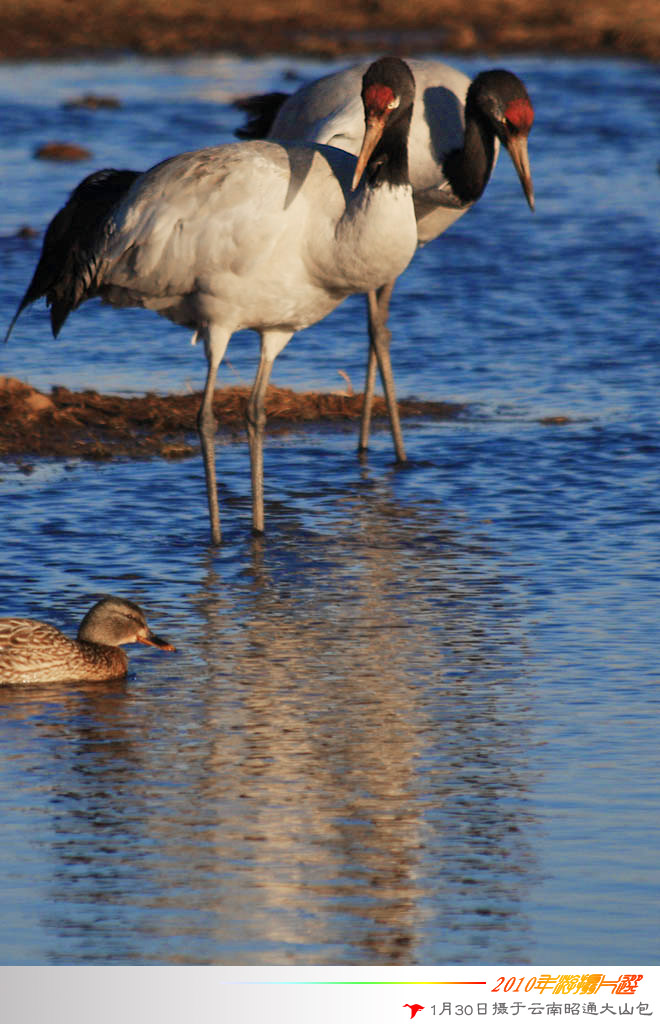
[(517, 148), (151, 640), (373, 131)]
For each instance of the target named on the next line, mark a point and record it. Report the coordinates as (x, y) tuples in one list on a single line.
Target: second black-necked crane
[(260, 235), (456, 130)]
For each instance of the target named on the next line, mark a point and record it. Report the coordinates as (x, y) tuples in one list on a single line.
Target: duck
[(32, 651)]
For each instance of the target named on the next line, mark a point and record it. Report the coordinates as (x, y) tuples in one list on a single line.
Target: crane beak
[(375, 126), (151, 640), (517, 148)]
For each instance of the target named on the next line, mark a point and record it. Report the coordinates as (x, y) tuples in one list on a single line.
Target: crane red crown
[(378, 98), (521, 113)]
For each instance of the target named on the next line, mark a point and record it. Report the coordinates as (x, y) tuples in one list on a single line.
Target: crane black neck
[(469, 168), (388, 164)]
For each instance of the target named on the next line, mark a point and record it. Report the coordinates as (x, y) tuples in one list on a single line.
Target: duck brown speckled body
[(35, 652)]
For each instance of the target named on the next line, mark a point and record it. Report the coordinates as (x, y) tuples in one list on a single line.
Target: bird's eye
[(393, 104), (510, 126)]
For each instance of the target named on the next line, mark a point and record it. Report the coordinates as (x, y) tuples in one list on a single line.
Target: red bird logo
[(414, 1008)]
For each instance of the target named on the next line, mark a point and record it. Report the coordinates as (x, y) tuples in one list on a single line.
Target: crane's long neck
[(468, 169), (388, 163), (376, 236)]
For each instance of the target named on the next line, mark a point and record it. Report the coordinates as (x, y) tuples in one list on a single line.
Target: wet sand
[(57, 28)]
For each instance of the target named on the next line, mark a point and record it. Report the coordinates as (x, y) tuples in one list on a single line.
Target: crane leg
[(215, 344), (272, 344), (378, 304), (370, 380)]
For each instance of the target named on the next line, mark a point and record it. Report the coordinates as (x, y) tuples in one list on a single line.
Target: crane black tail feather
[(262, 111), (66, 271)]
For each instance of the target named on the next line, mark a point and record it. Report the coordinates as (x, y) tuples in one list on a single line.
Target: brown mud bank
[(89, 425), (66, 28)]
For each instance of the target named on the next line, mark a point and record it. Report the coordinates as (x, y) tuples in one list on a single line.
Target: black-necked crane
[(456, 129), (260, 235)]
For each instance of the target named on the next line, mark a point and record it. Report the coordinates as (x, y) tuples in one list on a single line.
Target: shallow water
[(418, 722)]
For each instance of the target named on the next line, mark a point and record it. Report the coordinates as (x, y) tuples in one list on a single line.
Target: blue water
[(419, 722)]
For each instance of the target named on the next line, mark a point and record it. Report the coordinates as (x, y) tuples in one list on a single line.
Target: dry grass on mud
[(50, 28)]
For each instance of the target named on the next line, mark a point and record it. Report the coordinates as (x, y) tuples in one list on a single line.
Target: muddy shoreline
[(32, 29), (89, 425)]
